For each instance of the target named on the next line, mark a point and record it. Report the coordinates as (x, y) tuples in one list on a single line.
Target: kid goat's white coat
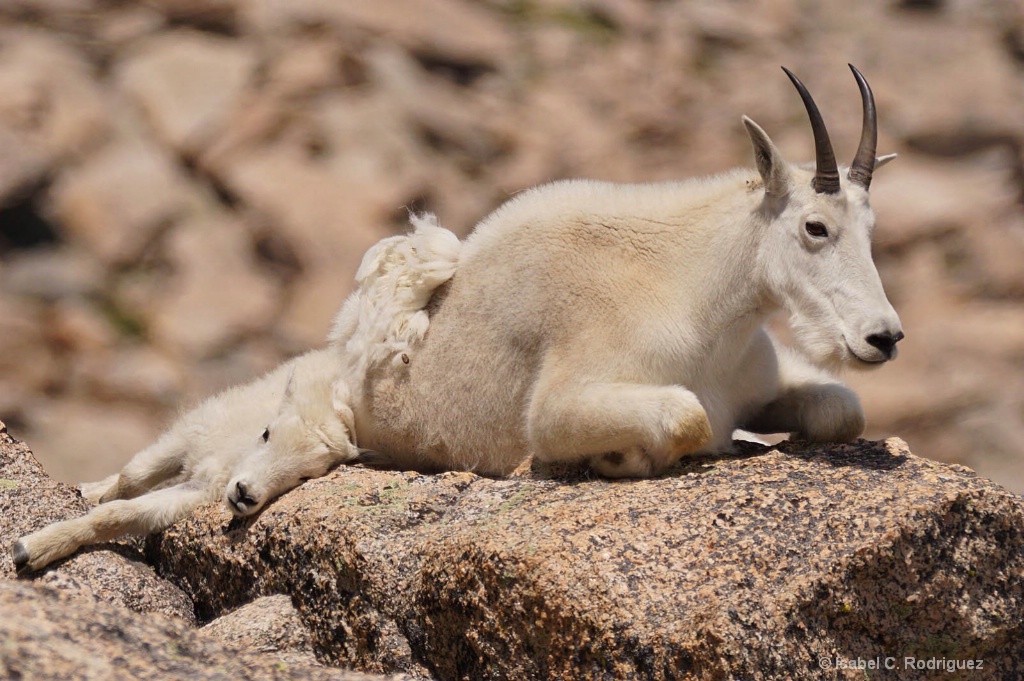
[(191, 463), (216, 451), (623, 324)]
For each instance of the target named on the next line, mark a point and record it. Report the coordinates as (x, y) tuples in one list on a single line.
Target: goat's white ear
[(769, 161), (882, 160)]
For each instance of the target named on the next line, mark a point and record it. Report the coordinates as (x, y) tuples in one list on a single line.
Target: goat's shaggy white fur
[(216, 450), (191, 463), (587, 321), (396, 279)]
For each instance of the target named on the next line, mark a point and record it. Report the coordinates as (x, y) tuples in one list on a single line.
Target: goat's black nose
[(243, 494), (885, 341)]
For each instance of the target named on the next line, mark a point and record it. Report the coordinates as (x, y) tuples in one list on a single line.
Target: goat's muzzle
[(239, 500)]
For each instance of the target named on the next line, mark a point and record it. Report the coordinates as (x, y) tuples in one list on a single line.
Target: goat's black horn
[(826, 174), (863, 165)]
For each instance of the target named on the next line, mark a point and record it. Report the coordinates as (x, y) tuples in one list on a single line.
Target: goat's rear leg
[(142, 515), (159, 464), (93, 491), (623, 429)]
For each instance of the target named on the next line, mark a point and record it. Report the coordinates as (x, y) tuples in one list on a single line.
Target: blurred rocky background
[(187, 186)]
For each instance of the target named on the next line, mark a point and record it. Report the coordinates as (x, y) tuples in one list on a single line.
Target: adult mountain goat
[(623, 324)]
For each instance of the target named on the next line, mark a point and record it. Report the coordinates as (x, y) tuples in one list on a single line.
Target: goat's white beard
[(825, 349)]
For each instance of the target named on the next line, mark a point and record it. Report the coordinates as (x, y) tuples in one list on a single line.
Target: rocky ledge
[(789, 562)]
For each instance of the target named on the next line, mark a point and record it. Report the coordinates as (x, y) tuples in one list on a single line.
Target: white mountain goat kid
[(216, 451), (623, 324)]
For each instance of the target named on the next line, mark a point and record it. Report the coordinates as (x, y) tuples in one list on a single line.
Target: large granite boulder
[(794, 562), (772, 563), (50, 635)]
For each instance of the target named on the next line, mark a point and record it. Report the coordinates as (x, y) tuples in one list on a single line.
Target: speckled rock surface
[(48, 635), (29, 500), (774, 563), (104, 614), (270, 624)]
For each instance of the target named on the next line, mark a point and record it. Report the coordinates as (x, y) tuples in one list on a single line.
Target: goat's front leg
[(623, 429), (142, 515), (811, 404)]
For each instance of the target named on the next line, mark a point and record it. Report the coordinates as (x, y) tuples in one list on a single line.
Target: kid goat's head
[(816, 250), (311, 434)]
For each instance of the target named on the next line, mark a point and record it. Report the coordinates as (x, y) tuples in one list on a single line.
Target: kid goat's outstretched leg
[(93, 491), (160, 463), (143, 515)]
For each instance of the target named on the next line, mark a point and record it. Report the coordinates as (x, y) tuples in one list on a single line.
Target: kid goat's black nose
[(243, 496), (885, 341)]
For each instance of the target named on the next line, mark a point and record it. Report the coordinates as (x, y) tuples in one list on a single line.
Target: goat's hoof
[(20, 555), (632, 463)]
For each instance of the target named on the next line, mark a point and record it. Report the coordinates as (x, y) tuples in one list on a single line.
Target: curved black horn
[(826, 174), (864, 162)]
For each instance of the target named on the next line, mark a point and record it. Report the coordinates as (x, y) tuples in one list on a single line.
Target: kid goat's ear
[(289, 386), (770, 163)]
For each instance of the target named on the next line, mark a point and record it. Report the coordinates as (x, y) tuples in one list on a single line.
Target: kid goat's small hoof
[(20, 555)]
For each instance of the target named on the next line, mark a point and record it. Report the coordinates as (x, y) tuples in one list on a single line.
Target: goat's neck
[(728, 294)]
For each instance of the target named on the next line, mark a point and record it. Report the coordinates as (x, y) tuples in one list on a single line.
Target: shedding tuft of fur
[(385, 316)]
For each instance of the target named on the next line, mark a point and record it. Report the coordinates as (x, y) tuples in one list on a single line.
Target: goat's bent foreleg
[(624, 429), (816, 413), (811, 404), (143, 515)]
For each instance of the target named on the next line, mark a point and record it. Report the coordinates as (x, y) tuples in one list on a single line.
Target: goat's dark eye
[(816, 229), (266, 434)]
